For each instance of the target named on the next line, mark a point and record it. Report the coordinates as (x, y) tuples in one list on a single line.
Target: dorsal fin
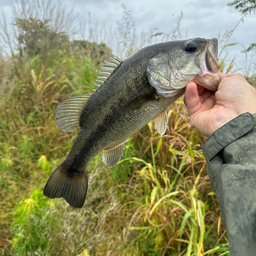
[(68, 112), (107, 70)]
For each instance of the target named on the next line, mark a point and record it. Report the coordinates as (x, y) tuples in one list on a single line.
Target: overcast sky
[(201, 18)]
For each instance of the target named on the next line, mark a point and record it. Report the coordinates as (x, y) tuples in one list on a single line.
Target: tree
[(27, 13), (244, 6), (35, 37), (97, 52)]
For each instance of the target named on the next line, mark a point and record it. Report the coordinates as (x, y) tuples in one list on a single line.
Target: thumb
[(192, 100)]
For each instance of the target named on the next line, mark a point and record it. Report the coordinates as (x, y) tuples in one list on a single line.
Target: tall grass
[(156, 201)]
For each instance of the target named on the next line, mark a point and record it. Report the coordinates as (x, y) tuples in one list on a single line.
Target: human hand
[(210, 110)]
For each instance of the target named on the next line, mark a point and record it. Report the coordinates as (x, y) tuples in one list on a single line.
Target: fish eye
[(191, 47)]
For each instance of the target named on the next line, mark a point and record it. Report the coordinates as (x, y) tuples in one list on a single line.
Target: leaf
[(220, 248), (84, 253), (159, 201), (139, 228), (154, 134), (180, 205), (184, 221), (172, 150), (159, 145), (232, 44), (153, 194), (139, 160), (231, 64), (34, 79)]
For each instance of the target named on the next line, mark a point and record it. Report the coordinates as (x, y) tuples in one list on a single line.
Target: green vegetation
[(245, 7), (157, 201)]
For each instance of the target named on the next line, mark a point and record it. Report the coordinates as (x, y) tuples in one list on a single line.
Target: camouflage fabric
[(231, 160)]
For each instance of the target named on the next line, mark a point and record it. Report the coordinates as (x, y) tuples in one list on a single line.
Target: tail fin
[(72, 187)]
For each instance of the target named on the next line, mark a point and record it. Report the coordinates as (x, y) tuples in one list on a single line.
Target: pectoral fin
[(111, 156), (161, 121), (68, 112)]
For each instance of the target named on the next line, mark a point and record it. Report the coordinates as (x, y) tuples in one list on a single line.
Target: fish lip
[(208, 63), (209, 59)]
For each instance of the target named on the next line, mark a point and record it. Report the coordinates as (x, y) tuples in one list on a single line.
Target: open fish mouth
[(208, 63)]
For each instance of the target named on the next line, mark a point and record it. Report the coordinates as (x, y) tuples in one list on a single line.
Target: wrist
[(228, 133), (222, 119), (223, 122)]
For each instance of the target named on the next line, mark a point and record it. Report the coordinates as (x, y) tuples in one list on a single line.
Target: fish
[(128, 94)]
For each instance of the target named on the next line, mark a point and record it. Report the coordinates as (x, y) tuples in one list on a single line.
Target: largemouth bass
[(127, 96)]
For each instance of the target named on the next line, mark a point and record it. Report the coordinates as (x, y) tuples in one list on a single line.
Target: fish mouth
[(208, 63)]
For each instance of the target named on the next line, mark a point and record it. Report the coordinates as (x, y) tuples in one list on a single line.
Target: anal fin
[(111, 156), (161, 121)]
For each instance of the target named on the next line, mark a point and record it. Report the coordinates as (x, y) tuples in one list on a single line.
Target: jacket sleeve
[(231, 160)]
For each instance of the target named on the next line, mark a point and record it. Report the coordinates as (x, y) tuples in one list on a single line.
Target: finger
[(208, 103), (191, 98), (207, 94), (203, 93), (201, 90), (221, 75)]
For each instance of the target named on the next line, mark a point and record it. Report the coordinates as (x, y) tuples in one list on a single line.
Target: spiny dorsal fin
[(68, 112), (111, 156), (107, 70)]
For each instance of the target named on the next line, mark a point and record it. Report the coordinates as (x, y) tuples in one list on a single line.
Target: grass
[(157, 201)]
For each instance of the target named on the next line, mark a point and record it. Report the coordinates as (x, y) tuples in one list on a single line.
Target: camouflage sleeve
[(231, 160)]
